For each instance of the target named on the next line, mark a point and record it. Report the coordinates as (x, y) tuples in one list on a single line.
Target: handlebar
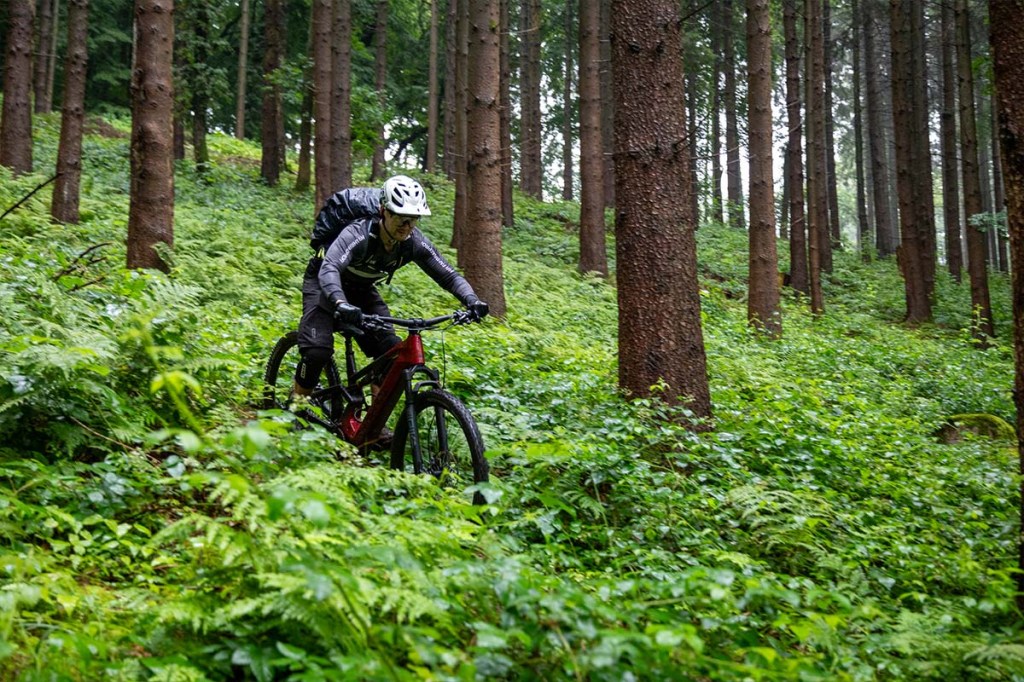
[(418, 323)]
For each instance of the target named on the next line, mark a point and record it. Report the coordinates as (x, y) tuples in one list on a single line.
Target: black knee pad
[(311, 365)]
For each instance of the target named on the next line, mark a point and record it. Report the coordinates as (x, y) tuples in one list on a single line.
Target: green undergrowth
[(156, 525)]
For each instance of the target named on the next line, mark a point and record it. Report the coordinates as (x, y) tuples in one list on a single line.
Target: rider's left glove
[(347, 313)]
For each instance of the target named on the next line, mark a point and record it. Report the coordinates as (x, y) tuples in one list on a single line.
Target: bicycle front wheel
[(279, 376), (451, 447)]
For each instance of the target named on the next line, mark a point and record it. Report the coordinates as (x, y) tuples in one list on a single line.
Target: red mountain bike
[(434, 433)]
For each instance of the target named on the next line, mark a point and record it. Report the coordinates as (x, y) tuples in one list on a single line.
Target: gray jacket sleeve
[(440, 270), (350, 242)]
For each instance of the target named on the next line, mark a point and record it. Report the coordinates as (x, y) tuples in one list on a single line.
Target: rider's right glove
[(479, 309), (347, 313)]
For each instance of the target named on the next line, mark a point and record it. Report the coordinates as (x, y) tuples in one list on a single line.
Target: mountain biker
[(361, 236)]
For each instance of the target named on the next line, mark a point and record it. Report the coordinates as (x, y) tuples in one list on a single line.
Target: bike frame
[(399, 367)]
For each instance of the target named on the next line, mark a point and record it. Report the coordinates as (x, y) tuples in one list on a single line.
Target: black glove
[(348, 314), (478, 309)]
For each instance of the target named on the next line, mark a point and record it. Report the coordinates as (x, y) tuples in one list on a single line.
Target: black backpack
[(342, 209)]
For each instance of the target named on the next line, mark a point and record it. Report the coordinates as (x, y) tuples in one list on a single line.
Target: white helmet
[(404, 196)]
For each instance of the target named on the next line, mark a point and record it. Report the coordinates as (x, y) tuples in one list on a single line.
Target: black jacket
[(357, 256)]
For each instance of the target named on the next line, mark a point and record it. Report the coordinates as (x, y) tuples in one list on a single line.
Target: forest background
[(845, 511)]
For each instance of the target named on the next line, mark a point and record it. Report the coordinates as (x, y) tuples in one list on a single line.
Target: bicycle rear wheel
[(451, 447), (279, 377)]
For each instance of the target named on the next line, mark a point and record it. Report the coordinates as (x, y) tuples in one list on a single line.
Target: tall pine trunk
[(481, 245), (42, 57), (16, 119), (341, 96), (64, 205), (981, 306), (272, 121), (462, 186), (1008, 67), (321, 48), (885, 235), (504, 82), (593, 256), (950, 174), (432, 89), (151, 202), (717, 200), (380, 65), (924, 188), (567, 108), (817, 192), (531, 171), (763, 296), (660, 336), (732, 134), (858, 135), (799, 278), (833, 242), (243, 69)]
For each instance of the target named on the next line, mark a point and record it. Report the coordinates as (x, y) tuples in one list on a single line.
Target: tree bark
[(567, 108), (593, 254), (1008, 67), (924, 188), (200, 89), (272, 121), (981, 306), (660, 336), (16, 119), (304, 173), (42, 57), (462, 186), (858, 135), (504, 82), (450, 87), (243, 70), (151, 204), (763, 290), (432, 90), (734, 178), (799, 278), (481, 243), (64, 204), (885, 235), (531, 172), (817, 193), (950, 184), (607, 104), (322, 18), (341, 96), (833, 242), (380, 62), (717, 208)]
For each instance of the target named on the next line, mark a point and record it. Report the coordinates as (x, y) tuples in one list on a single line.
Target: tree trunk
[(531, 172), (817, 193), (692, 96), (504, 82), (151, 204), (980, 304), (885, 236), (200, 88), (858, 135), (763, 290), (450, 86), (717, 208), (593, 254), (799, 278), (999, 188), (42, 57), (243, 70), (304, 172), (950, 184), (833, 242), (432, 89), (567, 107), (910, 253), (924, 188), (322, 18), (16, 119), (462, 186), (481, 244), (341, 96), (607, 104), (1008, 67), (272, 121), (51, 58), (380, 63), (732, 133), (660, 336), (64, 205)]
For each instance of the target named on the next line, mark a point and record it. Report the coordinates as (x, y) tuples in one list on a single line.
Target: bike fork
[(410, 421)]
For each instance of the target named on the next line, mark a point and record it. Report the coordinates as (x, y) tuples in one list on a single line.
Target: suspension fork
[(409, 414)]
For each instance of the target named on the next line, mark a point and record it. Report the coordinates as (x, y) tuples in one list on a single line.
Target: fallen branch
[(28, 196), (77, 267)]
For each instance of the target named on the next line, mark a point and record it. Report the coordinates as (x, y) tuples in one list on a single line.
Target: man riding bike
[(362, 236)]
